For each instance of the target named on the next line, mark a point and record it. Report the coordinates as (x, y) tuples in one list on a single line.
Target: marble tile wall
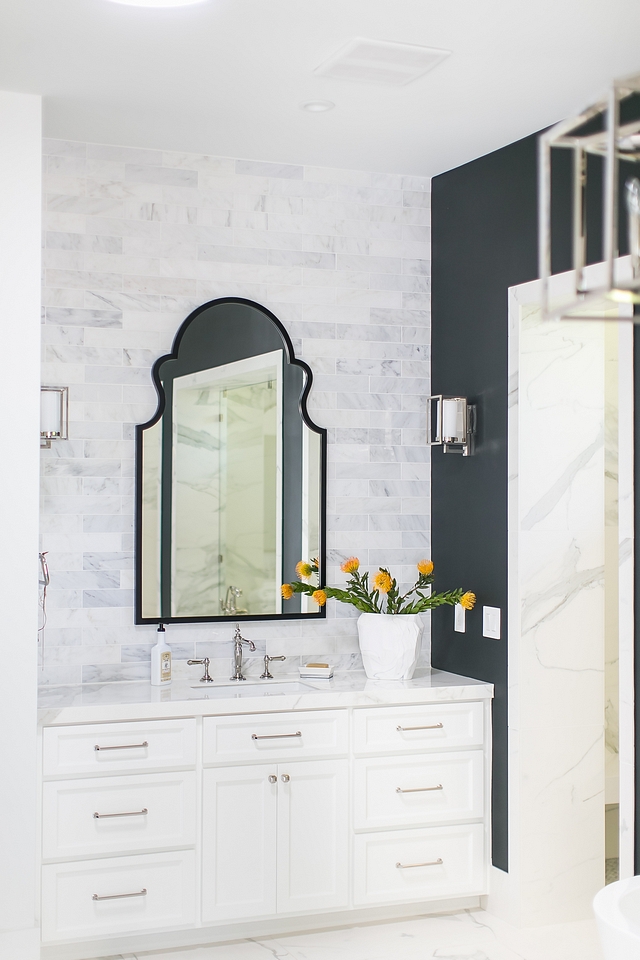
[(134, 240)]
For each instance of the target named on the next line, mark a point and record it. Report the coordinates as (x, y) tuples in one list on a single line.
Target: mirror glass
[(230, 473)]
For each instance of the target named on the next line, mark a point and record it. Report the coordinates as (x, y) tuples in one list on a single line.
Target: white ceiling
[(225, 76)]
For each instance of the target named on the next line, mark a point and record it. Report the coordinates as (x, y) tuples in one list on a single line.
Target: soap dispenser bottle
[(161, 661)]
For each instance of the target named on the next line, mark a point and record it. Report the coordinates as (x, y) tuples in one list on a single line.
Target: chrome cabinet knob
[(285, 778), (273, 778)]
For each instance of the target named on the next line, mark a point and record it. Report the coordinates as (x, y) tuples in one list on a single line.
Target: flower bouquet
[(389, 626)]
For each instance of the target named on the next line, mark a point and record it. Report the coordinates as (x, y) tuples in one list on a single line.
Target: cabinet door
[(239, 842), (313, 835)]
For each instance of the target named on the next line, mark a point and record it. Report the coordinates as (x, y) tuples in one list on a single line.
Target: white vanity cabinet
[(275, 833), (144, 810), (169, 830), (275, 839), (416, 771)]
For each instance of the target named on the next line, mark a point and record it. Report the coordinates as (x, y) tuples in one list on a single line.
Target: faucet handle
[(267, 675), (206, 661)]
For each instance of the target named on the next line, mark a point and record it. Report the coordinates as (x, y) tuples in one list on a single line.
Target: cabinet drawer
[(112, 815), (151, 892), (430, 788), (425, 864), (118, 747), (413, 729), (275, 736)]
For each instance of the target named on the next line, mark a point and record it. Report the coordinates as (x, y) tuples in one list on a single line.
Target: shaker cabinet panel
[(277, 736), (275, 839), (102, 898), (422, 789), (313, 836), (428, 864), (98, 748), (113, 815), (239, 842), (415, 728)]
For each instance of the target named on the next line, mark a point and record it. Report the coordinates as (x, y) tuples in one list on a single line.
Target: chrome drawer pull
[(134, 813), (429, 863), (431, 726), (275, 736), (419, 789), (123, 746), (121, 896)]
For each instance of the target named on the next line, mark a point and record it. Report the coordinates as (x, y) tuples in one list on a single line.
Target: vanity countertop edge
[(100, 702)]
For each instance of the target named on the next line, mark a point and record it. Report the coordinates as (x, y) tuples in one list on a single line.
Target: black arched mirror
[(230, 473)]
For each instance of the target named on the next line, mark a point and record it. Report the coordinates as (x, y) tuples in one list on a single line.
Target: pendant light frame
[(597, 130)]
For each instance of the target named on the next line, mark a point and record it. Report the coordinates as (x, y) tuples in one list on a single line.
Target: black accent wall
[(484, 237)]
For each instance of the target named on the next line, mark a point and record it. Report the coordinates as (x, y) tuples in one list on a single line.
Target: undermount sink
[(249, 682), (254, 688)]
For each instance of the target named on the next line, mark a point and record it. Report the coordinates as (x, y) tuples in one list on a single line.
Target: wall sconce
[(451, 423), (54, 415)]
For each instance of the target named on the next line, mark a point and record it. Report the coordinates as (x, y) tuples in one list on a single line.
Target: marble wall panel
[(134, 240), (556, 616)]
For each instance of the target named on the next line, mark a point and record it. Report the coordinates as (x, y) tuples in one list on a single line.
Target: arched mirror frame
[(291, 358)]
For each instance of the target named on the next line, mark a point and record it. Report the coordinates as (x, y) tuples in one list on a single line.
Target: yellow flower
[(425, 567), (350, 565), (287, 591), (468, 600), (382, 582), (304, 569), (320, 597)]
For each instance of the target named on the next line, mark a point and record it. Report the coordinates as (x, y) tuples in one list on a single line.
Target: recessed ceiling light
[(158, 3), (317, 106)]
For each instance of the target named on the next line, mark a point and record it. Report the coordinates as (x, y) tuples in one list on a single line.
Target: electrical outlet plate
[(459, 624), (491, 622)]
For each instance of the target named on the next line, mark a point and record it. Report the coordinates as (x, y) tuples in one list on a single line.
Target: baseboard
[(90, 950)]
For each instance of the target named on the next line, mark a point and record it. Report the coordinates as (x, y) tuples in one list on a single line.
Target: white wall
[(20, 221), (135, 239)]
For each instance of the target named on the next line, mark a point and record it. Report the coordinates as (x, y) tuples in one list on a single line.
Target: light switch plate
[(491, 622), (459, 624)]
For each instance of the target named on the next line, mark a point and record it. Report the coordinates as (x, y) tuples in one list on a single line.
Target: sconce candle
[(453, 420), (53, 414)]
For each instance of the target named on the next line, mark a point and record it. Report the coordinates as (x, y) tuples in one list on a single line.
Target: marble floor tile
[(241, 950), (472, 935)]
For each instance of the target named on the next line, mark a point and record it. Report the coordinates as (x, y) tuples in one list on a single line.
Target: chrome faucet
[(238, 640), (229, 605)]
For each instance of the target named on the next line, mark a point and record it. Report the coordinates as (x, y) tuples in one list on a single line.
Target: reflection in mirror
[(230, 472)]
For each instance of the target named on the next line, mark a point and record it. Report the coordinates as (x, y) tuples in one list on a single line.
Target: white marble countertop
[(100, 702)]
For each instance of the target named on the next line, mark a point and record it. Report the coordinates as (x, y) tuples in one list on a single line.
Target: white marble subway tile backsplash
[(134, 240)]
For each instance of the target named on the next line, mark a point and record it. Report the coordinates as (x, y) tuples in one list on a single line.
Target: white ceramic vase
[(389, 644)]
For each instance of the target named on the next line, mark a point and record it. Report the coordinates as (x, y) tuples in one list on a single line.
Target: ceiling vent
[(381, 61)]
